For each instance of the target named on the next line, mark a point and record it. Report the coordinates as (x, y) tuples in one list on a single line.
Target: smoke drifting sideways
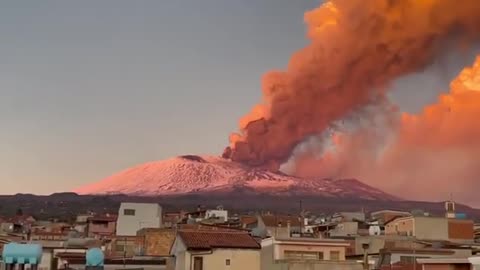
[(430, 156), (357, 48)]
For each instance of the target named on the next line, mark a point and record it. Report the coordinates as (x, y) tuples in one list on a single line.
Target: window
[(129, 212), (334, 255), (197, 263), (303, 255), (227, 262)]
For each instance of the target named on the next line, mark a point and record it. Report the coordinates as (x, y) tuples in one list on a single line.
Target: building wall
[(121, 246), (101, 228), (179, 252), (312, 265), (240, 259), (157, 243), (147, 215), (386, 216), (397, 257), (121, 266), (220, 214), (375, 243), (279, 232), (348, 216), (423, 228), (81, 228), (446, 267), (345, 229), (400, 227), (431, 228), (325, 249), (460, 230), (47, 256), (266, 258), (271, 260)]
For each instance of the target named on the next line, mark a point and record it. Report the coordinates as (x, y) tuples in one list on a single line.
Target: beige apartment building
[(215, 250), (305, 253), (432, 228)]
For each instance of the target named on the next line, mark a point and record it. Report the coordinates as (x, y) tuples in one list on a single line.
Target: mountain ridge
[(193, 174)]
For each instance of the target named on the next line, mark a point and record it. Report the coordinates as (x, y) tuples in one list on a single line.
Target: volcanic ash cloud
[(356, 49), (433, 154)]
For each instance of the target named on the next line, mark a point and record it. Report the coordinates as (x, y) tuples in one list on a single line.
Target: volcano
[(192, 174)]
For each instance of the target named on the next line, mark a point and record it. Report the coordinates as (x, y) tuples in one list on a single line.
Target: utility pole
[(365, 247)]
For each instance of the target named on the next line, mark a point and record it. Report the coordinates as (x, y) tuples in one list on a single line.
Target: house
[(53, 250), (432, 228), (19, 224), (155, 241), (81, 223), (123, 246), (101, 227), (374, 243), (135, 216), (475, 261), (215, 250), (195, 216), (444, 263), (48, 236), (305, 253), (279, 225), (10, 227), (476, 228), (248, 222), (347, 216), (219, 215), (344, 228), (170, 220), (23, 220), (409, 258), (77, 261), (385, 216)]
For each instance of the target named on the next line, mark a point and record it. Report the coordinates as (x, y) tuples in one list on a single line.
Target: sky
[(89, 88)]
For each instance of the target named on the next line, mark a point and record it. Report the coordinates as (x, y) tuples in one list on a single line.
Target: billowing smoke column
[(433, 154), (357, 48)]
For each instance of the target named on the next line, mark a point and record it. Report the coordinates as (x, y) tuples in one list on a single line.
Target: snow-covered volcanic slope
[(206, 174)]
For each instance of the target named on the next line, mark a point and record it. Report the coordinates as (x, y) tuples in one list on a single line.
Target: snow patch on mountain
[(202, 174)]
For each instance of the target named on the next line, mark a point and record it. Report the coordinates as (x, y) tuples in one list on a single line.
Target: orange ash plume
[(434, 153), (357, 48)]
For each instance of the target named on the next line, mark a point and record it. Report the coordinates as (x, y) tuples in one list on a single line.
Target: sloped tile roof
[(195, 240), (248, 220)]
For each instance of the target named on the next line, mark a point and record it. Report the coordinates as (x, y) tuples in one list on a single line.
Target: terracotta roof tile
[(217, 239), (248, 220)]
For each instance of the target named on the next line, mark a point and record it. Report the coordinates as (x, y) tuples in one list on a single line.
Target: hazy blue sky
[(91, 87)]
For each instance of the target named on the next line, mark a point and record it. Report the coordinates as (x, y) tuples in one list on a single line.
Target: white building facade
[(133, 217)]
